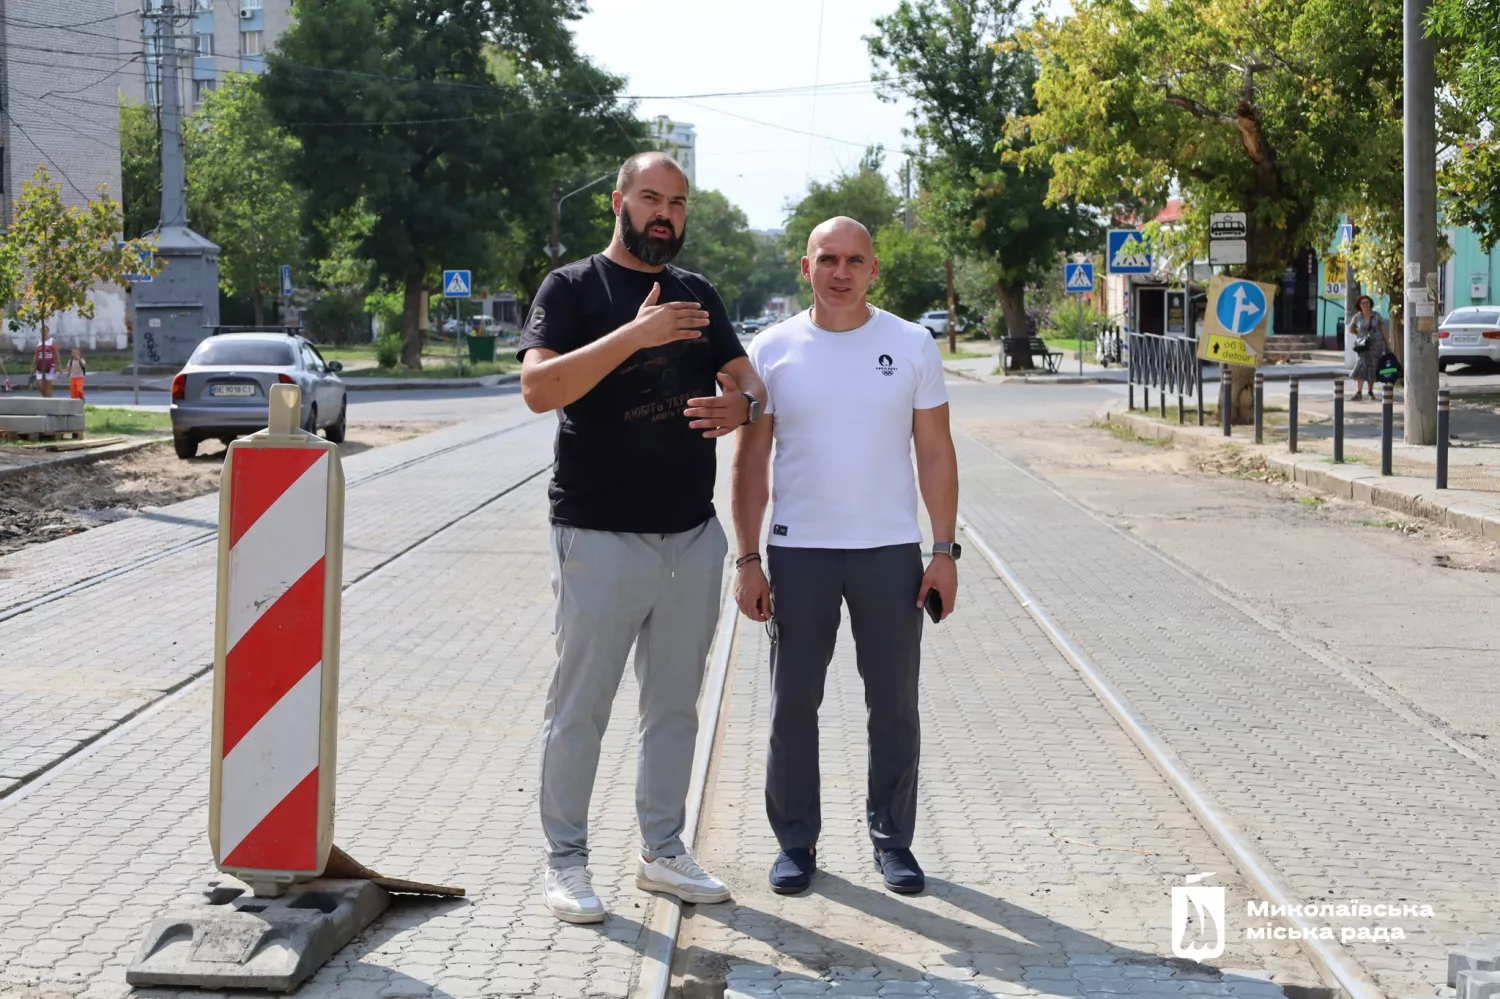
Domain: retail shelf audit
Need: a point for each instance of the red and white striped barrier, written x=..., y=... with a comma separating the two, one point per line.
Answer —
x=276, y=653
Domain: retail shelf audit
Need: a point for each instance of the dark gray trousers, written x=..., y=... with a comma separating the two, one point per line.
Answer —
x=808, y=587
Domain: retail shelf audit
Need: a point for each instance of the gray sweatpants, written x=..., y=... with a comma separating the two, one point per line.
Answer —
x=808, y=587
x=659, y=592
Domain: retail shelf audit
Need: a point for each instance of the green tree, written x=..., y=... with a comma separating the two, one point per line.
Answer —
x=718, y=245
x=1470, y=180
x=140, y=167
x=911, y=277
x=446, y=121
x=240, y=192
x=56, y=253
x=956, y=62
x=1279, y=108
x=864, y=195
x=772, y=275
x=1284, y=109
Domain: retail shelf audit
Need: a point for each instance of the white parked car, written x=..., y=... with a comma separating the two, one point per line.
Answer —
x=935, y=323
x=1470, y=335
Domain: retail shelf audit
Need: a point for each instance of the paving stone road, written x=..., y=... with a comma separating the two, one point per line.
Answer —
x=1348, y=797
x=1052, y=844
x=1048, y=840
x=74, y=667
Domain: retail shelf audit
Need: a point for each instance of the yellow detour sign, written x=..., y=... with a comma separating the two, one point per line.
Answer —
x=1227, y=350
x=1239, y=313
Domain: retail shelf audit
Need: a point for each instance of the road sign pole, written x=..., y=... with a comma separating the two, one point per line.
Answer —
x=458, y=339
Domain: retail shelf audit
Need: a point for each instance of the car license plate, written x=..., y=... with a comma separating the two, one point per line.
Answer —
x=1466, y=338
x=231, y=390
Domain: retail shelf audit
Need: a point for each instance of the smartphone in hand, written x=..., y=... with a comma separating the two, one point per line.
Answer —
x=934, y=605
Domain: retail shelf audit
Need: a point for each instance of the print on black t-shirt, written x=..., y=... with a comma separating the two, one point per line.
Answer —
x=626, y=458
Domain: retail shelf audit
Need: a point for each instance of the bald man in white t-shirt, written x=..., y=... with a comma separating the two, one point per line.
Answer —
x=851, y=389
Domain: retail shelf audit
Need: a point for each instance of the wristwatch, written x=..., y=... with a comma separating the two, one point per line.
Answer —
x=754, y=408
x=952, y=549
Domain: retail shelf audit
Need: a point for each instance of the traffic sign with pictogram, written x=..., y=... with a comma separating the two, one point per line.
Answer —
x=1238, y=317
x=1128, y=253
x=457, y=284
x=1078, y=277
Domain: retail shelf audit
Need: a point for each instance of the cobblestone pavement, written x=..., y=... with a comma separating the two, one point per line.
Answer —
x=76, y=666
x=1049, y=841
x=447, y=655
x=1348, y=796
x=69, y=561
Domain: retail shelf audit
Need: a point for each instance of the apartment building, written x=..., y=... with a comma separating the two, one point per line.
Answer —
x=213, y=38
x=60, y=67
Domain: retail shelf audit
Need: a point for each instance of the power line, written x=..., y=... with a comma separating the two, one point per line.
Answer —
x=771, y=124
x=817, y=71
x=41, y=149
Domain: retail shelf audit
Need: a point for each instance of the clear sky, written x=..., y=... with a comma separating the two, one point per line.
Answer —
x=683, y=47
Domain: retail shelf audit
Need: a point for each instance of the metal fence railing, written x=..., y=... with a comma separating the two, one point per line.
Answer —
x=1168, y=364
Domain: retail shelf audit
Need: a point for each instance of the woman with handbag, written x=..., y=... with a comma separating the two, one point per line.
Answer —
x=1368, y=329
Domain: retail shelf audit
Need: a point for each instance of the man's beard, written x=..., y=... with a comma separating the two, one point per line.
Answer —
x=654, y=251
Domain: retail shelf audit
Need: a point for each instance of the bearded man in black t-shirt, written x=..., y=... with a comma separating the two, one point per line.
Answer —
x=631, y=350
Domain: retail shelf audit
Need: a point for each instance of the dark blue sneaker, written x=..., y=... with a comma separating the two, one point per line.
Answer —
x=903, y=874
x=793, y=870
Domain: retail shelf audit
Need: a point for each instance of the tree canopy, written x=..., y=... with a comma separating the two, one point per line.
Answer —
x=956, y=62
x=446, y=123
x=864, y=194
x=239, y=188
x=1280, y=108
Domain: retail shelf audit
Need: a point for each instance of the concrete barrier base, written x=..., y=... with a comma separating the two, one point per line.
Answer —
x=232, y=939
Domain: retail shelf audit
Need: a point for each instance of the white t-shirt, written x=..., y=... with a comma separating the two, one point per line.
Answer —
x=843, y=402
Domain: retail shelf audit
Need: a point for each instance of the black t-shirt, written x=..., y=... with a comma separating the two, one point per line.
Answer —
x=627, y=460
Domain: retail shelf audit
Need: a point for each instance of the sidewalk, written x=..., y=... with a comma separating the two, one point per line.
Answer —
x=1471, y=503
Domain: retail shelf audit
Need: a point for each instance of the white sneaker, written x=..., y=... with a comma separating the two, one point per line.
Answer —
x=680, y=876
x=569, y=892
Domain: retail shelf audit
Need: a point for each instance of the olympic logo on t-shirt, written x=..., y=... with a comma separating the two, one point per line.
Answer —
x=886, y=365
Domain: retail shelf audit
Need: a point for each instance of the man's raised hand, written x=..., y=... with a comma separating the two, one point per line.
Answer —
x=655, y=324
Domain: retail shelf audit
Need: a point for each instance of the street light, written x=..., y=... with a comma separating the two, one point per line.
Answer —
x=557, y=210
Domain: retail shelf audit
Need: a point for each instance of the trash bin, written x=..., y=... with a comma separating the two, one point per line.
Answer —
x=481, y=348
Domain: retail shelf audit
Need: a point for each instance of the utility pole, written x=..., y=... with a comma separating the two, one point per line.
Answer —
x=906, y=197
x=1419, y=317
x=1351, y=289
x=556, y=218
x=174, y=310
x=952, y=312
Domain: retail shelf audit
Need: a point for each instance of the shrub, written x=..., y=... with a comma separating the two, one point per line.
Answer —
x=388, y=350
x=1067, y=317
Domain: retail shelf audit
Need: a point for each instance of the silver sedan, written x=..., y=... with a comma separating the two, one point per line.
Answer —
x=224, y=390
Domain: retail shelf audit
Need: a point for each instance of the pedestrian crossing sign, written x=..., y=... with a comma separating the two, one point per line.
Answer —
x=456, y=284
x=1128, y=253
x=1078, y=278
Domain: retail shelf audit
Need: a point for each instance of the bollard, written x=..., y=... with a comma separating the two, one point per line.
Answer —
x=276, y=653
x=1130, y=404
x=1387, y=424
x=1291, y=431
x=1260, y=407
x=1338, y=421
x=1226, y=405
x=1163, y=400
x=1146, y=398
x=273, y=750
x=1198, y=387
x=1442, y=439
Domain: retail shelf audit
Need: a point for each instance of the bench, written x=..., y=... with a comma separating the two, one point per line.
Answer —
x=1034, y=347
